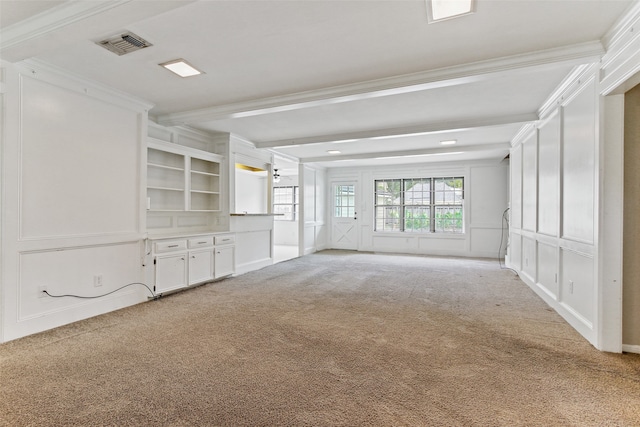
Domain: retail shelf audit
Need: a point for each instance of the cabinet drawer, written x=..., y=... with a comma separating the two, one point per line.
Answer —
x=170, y=246
x=226, y=239
x=200, y=242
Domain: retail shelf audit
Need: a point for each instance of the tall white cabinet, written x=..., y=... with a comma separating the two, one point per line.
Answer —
x=186, y=208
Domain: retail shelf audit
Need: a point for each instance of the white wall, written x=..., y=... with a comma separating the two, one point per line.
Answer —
x=486, y=184
x=566, y=193
x=313, y=197
x=72, y=198
x=254, y=234
x=554, y=176
x=251, y=192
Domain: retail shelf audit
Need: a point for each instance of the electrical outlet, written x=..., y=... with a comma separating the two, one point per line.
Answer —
x=41, y=291
x=97, y=280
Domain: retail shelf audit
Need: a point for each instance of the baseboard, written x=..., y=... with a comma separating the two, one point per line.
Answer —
x=253, y=265
x=628, y=348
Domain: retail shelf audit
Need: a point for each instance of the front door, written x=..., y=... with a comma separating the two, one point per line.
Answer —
x=344, y=229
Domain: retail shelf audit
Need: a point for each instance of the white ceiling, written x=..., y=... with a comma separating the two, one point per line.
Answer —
x=296, y=76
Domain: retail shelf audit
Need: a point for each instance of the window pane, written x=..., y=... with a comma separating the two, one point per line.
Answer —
x=344, y=201
x=388, y=218
x=417, y=219
x=285, y=202
x=448, y=219
x=417, y=191
x=448, y=191
x=388, y=192
x=387, y=198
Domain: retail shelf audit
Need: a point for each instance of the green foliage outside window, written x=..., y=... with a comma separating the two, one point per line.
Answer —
x=420, y=205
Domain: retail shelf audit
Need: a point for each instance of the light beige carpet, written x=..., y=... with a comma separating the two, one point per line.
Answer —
x=331, y=339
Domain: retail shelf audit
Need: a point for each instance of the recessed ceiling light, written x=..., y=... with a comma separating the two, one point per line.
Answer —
x=333, y=151
x=448, y=142
x=439, y=10
x=181, y=68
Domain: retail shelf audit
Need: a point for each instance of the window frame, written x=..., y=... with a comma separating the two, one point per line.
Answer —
x=294, y=204
x=436, y=224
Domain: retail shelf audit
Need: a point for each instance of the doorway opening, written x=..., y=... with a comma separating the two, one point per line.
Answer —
x=286, y=207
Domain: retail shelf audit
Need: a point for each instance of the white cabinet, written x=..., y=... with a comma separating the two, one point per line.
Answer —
x=171, y=272
x=182, y=262
x=225, y=255
x=200, y=266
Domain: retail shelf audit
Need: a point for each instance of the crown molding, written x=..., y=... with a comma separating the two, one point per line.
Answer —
x=526, y=131
x=565, y=87
x=42, y=70
x=623, y=27
x=478, y=71
x=53, y=19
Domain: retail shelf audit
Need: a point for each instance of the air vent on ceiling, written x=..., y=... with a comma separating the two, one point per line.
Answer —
x=124, y=43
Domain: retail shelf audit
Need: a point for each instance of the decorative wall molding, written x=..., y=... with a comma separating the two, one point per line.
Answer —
x=564, y=89
x=62, y=78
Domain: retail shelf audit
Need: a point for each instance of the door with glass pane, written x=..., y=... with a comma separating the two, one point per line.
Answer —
x=344, y=218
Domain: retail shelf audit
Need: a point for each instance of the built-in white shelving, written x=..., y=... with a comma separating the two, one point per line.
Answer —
x=182, y=179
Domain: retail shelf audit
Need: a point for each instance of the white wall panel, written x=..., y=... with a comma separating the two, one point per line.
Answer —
x=72, y=271
x=516, y=187
x=515, y=251
x=578, y=165
x=309, y=194
x=79, y=165
x=577, y=286
x=529, y=263
x=442, y=246
x=547, y=260
x=285, y=233
x=253, y=250
x=548, y=176
x=486, y=241
x=488, y=192
x=529, y=183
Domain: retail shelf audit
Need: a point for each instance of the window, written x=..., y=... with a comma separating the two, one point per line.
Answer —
x=285, y=201
x=345, y=201
x=421, y=205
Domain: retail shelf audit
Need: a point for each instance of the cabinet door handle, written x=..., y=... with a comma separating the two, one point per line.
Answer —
x=172, y=246
x=193, y=256
x=201, y=243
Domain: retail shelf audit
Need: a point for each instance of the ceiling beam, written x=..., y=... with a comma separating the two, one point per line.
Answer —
x=412, y=153
x=451, y=76
x=423, y=129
